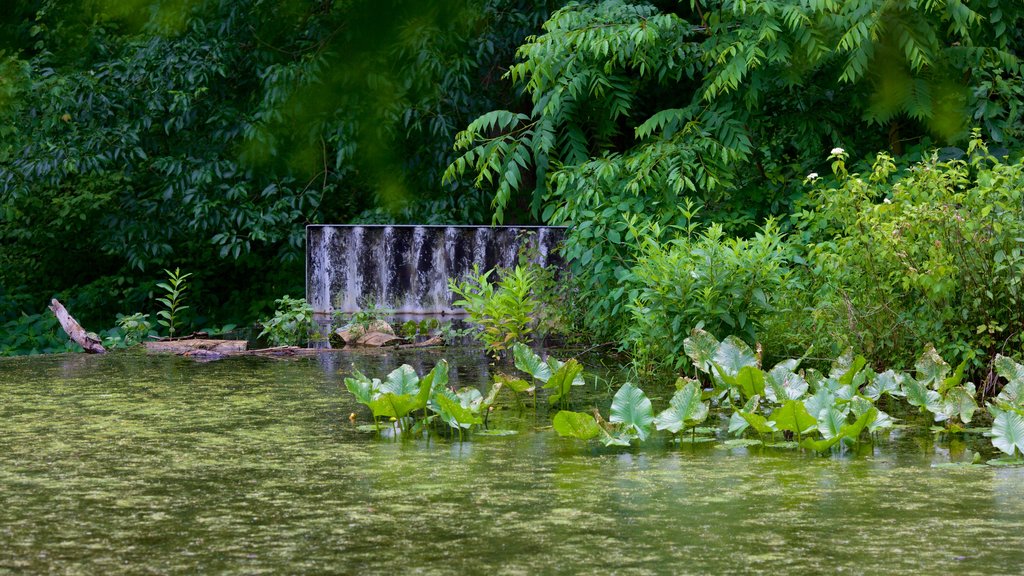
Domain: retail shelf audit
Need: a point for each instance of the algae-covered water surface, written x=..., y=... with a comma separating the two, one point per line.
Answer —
x=129, y=463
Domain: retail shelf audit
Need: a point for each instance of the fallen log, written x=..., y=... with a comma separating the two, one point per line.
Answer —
x=87, y=340
x=183, y=346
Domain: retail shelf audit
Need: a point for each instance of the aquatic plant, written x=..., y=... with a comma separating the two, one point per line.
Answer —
x=174, y=294
x=557, y=376
x=291, y=323
x=504, y=311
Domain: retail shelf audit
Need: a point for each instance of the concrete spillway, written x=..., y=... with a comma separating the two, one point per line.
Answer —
x=406, y=268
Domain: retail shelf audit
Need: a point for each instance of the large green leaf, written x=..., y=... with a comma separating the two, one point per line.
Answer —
x=732, y=355
x=931, y=368
x=830, y=422
x=749, y=380
x=851, y=371
x=555, y=365
x=852, y=431
x=959, y=403
x=782, y=383
x=701, y=346
x=684, y=411
x=887, y=382
x=530, y=363
x=561, y=381
x=401, y=380
x=919, y=395
x=363, y=388
x=819, y=401
x=632, y=409
x=517, y=385
x=1008, y=431
x=575, y=425
x=954, y=380
x=859, y=405
x=451, y=410
x=793, y=416
x=759, y=423
x=436, y=378
x=393, y=405
x=1013, y=390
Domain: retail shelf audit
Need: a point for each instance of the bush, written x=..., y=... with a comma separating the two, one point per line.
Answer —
x=724, y=284
x=291, y=323
x=935, y=257
x=505, y=312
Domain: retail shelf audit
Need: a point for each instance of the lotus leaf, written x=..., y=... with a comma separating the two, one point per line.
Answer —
x=517, y=385
x=759, y=423
x=732, y=355
x=918, y=394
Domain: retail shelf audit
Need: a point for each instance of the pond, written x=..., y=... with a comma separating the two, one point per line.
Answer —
x=128, y=463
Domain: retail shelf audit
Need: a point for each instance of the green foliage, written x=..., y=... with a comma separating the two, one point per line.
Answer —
x=640, y=115
x=934, y=256
x=632, y=409
x=210, y=133
x=505, y=312
x=291, y=324
x=685, y=409
x=172, y=300
x=575, y=425
x=726, y=283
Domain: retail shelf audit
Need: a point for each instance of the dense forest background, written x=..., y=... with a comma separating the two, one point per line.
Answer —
x=205, y=134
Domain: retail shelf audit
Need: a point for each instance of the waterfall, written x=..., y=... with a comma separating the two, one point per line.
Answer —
x=407, y=268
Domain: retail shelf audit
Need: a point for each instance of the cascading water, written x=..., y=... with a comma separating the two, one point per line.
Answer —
x=407, y=268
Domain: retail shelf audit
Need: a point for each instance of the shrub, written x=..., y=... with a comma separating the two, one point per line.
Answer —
x=291, y=323
x=724, y=284
x=935, y=257
x=505, y=312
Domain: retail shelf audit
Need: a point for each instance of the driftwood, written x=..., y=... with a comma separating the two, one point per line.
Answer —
x=87, y=340
x=183, y=346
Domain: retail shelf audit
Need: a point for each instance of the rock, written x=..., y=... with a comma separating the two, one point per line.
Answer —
x=378, y=339
x=381, y=327
x=347, y=335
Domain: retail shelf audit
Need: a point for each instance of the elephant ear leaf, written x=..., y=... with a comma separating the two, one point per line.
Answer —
x=632, y=409
x=576, y=425
x=1013, y=392
x=700, y=347
x=732, y=355
x=561, y=381
x=530, y=363
x=393, y=405
x=436, y=378
x=931, y=368
x=793, y=416
x=517, y=385
x=685, y=410
x=918, y=394
x=451, y=410
x=1008, y=431
x=401, y=380
x=362, y=387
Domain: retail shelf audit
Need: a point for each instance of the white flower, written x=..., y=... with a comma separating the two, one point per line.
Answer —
x=837, y=151
x=887, y=201
x=812, y=176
